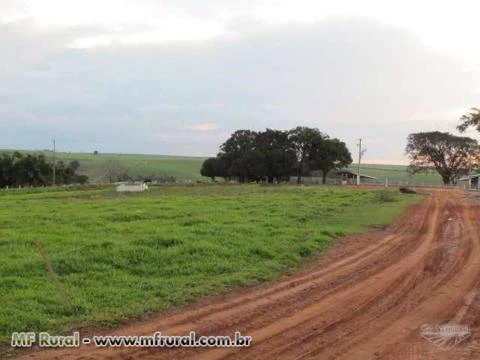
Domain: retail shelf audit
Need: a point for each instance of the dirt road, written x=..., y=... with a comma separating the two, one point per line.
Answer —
x=367, y=298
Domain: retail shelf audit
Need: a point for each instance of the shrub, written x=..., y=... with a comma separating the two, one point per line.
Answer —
x=386, y=196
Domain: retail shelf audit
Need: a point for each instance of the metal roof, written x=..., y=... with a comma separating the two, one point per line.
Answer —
x=466, y=178
x=355, y=174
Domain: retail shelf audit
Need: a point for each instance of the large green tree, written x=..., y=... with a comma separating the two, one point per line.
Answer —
x=450, y=155
x=329, y=154
x=251, y=166
x=212, y=167
x=303, y=139
x=276, y=155
x=237, y=145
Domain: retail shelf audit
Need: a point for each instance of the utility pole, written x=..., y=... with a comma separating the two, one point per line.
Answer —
x=360, y=155
x=54, y=160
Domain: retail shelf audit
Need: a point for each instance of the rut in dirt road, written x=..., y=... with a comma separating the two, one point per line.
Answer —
x=366, y=299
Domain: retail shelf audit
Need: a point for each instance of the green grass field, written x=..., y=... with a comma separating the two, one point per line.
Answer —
x=114, y=256
x=398, y=174
x=187, y=169
x=181, y=168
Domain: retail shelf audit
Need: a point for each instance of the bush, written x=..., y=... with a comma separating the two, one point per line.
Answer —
x=386, y=196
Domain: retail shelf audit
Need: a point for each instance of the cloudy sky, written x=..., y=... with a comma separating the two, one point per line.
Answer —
x=177, y=77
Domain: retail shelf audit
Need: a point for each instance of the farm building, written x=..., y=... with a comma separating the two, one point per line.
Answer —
x=336, y=177
x=351, y=176
x=472, y=180
x=135, y=187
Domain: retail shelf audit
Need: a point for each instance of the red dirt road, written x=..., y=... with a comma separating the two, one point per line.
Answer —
x=365, y=299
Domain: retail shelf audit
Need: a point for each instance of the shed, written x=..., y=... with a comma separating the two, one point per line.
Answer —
x=136, y=187
x=347, y=174
x=473, y=181
x=342, y=176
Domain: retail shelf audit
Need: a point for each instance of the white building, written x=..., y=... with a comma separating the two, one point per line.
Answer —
x=137, y=187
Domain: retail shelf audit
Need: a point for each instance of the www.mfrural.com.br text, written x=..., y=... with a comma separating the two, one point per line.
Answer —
x=157, y=339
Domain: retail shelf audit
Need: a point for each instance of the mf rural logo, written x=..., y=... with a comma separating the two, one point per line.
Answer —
x=445, y=336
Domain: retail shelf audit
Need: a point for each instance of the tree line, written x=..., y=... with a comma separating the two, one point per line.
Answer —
x=276, y=155
x=17, y=169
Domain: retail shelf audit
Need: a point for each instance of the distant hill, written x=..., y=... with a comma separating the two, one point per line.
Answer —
x=185, y=168
x=96, y=167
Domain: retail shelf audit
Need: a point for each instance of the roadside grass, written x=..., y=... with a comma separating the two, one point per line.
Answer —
x=119, y=257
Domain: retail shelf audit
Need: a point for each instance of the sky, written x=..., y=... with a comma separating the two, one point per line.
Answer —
x=178, y=77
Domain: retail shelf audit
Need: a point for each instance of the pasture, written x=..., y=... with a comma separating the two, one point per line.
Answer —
x=181, y=168
x=79, y=258
x=398, y=174
x=187, y=169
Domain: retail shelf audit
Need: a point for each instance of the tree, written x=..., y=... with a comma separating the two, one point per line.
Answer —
x=250, y=166
x=328, y=154
x=236, y=146
x=114, y=171
x=278, y=154
x=74, y=165
x=34, y=170
x=25, y=170
x=470, y=119
x=208, y=168
x=451, y=156
x=67, y=173
x=6, y=168
x=302, y=139
x=213, y=167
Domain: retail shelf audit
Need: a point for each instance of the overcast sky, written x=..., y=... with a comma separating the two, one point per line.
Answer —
x=178, y=77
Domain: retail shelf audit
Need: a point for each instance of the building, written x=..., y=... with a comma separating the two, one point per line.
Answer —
x=473, y=181
x=136, y=187
x=338, y=177
x=351, y=177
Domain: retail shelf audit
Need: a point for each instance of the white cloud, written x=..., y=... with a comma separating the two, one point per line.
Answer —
x=445, y=25
x=160, y=108
x=12, y=11
x=202, y=127
x=108, y=13
x=166, y=30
